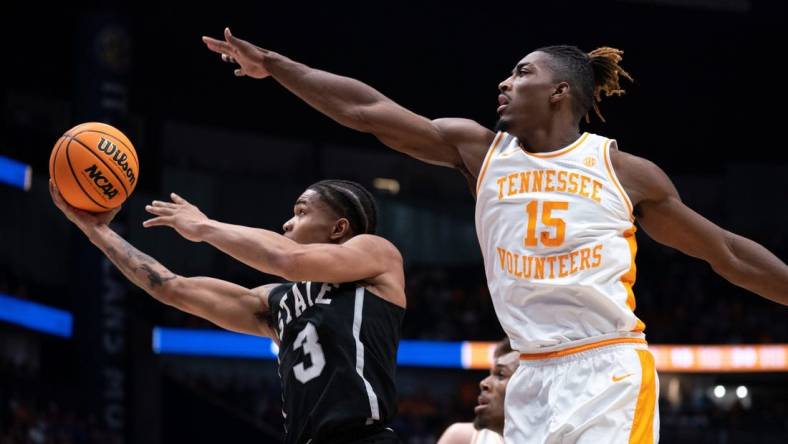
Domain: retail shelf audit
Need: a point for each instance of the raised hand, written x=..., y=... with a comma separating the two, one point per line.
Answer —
x=247, y=56
x=179, y=215
x=86, y=221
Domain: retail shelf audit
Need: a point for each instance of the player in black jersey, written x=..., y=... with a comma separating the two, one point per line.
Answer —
x=337, y=322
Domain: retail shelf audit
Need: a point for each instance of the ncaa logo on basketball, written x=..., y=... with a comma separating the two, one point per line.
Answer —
x=101, y=181
x=119, y=157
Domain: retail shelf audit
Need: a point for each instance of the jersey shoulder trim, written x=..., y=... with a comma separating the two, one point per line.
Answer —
x=490, y=153
x=613, y=178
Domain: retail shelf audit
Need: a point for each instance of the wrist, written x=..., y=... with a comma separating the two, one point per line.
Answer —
x=205, y=229
x=96, y=233
x=273, y=62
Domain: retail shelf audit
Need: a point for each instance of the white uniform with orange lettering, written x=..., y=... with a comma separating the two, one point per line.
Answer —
x=558, y=238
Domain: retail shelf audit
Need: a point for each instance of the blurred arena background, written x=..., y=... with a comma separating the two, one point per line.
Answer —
x=79, y=360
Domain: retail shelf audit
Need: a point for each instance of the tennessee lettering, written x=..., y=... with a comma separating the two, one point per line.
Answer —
x=549, y=267
x=561, y=181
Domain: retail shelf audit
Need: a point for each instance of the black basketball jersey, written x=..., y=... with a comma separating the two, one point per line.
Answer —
x=337, y=359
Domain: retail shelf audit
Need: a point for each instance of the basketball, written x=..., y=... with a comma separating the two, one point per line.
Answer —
x=94, y=166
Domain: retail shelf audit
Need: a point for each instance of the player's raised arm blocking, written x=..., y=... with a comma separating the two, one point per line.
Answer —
x=452, y=142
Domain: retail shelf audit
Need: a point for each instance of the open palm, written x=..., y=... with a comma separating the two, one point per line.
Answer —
x=179, y=215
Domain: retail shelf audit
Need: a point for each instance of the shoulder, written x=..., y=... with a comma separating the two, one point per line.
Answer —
x=264, y=291
x=470, y=138
x=458, y=433
x=459, y=129
x=372, y=243
x=642, y=179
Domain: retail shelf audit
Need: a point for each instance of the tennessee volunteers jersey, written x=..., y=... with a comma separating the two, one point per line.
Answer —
x=557, y=234
x=486, y=436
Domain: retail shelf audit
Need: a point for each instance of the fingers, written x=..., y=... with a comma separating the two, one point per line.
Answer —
x=239, y=72
x=228, y=59
x=158, y=203
x=229, y=37
x=219, y=46
x=160, y=210
x=178, y=199
x=157, y=222
x=55, y=193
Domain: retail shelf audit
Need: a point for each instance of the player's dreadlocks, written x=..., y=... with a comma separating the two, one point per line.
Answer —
x=591, y=74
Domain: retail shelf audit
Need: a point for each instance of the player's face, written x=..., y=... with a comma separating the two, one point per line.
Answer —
x=312, y=220
x=489, y=411
x=524, y=98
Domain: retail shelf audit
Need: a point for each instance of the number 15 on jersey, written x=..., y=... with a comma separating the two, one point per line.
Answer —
x=555, y=228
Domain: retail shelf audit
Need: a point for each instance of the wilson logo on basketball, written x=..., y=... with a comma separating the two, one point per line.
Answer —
x=98, y=178
x=118, y=156
x=589, y=161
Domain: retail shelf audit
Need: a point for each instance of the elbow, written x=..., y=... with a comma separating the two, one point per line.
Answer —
x=170, y=291
x=283, y=264
x=364, y=117
x=355, y=117
x=727, y=263
x=288, y=266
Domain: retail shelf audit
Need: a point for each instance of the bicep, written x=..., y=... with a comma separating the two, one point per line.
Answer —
x=223, y=303
x=670, y=222
x=667, y=220
x=442, y=142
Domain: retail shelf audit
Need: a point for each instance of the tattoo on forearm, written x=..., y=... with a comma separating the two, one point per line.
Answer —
x=140, y=268
x=154, y=277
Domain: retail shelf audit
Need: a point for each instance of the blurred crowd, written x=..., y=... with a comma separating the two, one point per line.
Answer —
x=33, y=411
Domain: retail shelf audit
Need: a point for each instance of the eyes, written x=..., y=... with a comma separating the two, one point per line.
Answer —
x=501, y=375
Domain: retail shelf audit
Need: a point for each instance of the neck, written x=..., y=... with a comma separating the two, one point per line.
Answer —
x=551, y=137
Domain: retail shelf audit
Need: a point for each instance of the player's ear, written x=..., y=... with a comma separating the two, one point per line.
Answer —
x=560, y=93
x=340, y=229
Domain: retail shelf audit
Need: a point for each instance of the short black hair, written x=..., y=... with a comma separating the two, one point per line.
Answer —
x=590, y=74
x=502, y=347
x=349, y=200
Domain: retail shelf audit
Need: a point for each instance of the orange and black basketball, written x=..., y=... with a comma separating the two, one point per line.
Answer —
x=94, y=166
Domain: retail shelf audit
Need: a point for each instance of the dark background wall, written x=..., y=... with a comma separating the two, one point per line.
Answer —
x=707, y=106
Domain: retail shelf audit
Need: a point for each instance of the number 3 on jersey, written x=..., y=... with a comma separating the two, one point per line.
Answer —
x=532, y=209
x=308, y=339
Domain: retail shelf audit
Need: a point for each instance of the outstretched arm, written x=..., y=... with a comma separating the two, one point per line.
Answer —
x=452, y=142
x=667, y=220
x=362, y=258
x=227, y=305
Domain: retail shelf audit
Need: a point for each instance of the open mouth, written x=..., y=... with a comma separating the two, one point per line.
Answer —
x=503, y=101
x=483, y=403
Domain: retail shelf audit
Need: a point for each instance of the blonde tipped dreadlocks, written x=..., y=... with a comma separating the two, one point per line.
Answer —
x=590, y=74
x=605, y=64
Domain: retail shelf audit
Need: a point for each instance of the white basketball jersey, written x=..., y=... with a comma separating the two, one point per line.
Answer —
x=486, y=436
x=558, y=239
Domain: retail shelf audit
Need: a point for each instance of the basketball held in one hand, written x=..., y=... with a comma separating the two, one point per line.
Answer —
x=94, y=166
